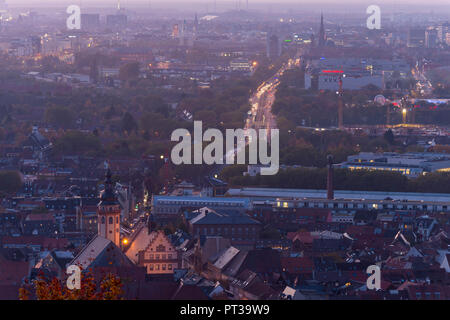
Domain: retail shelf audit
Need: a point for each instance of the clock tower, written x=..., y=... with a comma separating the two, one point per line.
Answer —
x=108, y=211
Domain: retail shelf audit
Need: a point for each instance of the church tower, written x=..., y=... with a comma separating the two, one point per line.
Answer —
x=322, y=37
x=195, y=25
x=108, y=212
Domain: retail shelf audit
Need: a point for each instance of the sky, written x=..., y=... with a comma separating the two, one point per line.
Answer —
x=413, y=6
x=299, y=2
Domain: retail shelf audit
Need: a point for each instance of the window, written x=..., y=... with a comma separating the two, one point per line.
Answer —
x=103, y=220
x=111, y=221
x=169, y=267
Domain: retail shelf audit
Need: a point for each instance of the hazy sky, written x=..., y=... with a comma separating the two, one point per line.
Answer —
x=299, y=2
x=416, y=6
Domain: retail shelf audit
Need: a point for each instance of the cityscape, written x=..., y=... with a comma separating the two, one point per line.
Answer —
x=224, y=150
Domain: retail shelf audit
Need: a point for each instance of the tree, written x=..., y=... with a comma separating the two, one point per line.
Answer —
x=109, y=288
x=10, y=182
x=389, y=136
x=50, y=63
x=76, y=142
x=129, y=72
x=60, y=117
x=128, y=123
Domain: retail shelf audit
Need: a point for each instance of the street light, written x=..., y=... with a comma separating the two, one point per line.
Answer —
x=404, y=112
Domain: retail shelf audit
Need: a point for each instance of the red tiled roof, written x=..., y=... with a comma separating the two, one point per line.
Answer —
x=360, y=230
x=46, y=243
x=304, y=237
x=297, y=264
x=40, y=217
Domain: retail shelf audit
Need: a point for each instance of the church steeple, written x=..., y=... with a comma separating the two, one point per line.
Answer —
x=108, y=212
x=108, y=196
x=322, y=37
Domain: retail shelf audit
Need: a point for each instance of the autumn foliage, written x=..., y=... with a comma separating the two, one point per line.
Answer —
x=109, y=288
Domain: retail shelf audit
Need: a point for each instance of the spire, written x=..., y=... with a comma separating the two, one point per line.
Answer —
x=108, y=196
x=321, y=41
x=195, y=23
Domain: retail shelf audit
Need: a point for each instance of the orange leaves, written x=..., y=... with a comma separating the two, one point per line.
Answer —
x=109, y=288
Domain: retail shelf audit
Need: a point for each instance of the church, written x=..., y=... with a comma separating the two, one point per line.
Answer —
x=103, y=253
x=145, y=253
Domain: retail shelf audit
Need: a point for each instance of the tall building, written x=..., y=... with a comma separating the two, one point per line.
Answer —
x=36, y=45
x=416, y=38
x=116, y=20
x=90, y=20
x=175, y=31
x=431, y=38
x=322, y=37
x=273, y=46
x=108, y=212
x=186, y=36
x=442, y=31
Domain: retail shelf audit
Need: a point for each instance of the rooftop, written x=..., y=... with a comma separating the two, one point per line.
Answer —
x=274, y=193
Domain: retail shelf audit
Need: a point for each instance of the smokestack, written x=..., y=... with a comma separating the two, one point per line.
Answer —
x=330, y=188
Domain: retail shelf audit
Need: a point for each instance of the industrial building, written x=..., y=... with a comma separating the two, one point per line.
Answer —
x=409, y=164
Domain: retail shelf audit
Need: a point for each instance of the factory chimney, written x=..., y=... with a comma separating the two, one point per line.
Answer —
x=330, y=187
